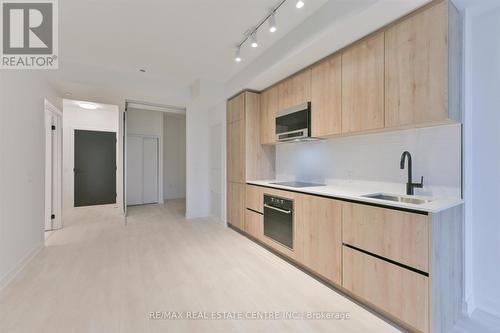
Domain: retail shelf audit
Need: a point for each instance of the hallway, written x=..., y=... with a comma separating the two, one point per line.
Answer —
x=100, y=275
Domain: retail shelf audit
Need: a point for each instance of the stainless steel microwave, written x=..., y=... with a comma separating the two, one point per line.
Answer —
x=294, y=124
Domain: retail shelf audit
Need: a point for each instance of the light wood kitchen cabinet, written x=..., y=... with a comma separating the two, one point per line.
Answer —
x=236, y=108
x=246, y=157
x=421, y=74
x=254, y=224
x=319, y=236
x=236, y=151
x=236, y=205
x=363, y=85
x=397, y=291
x=396, y=235
x=326, y=97
x=294, y=90
x=268, y=110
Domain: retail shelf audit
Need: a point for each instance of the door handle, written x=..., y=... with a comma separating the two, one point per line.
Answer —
x=278, y=209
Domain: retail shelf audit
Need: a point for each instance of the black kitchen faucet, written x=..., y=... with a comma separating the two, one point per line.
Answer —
x=410, y=186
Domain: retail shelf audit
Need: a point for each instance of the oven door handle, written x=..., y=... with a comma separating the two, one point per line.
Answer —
x=278, y=209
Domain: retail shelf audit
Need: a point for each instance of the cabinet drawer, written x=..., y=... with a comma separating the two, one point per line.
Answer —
x=393, y=234
x=255, y=198
x=254, y=224
x=395, y=290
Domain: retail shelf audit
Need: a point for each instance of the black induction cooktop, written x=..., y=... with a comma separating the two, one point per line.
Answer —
x=297, y=184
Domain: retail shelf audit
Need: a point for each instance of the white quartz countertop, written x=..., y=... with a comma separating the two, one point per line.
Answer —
x=356, y=193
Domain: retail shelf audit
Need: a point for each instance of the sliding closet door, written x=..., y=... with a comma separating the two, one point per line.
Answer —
x=150, y=173
x=134, y=170
x=142, y=170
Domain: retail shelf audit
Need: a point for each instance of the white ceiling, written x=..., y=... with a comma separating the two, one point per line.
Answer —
x=104, y=43
x=176, y=41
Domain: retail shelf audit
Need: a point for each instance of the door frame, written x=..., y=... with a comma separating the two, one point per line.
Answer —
x=71, y=165
x=158, y=164
x=53, y=166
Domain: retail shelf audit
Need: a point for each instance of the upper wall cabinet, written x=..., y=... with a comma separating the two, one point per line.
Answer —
x=326, y=97
x=236, y=150
x=295, y=90
x=236, y=108
x=417, y=73
x=268, y=109
x=363, y=85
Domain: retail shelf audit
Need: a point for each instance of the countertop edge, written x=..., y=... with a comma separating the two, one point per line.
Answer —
x=442, y=204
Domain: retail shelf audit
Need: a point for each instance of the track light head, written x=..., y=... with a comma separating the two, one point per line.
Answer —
x=272, y=23
x=299, y=4
x=237, y=56
x=253, y=39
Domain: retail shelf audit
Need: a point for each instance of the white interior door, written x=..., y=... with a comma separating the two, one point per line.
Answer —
x=142, y=170
x=48, y=170
x=53, y=168
x=150, y=170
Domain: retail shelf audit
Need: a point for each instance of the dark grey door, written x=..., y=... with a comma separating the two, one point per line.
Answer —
x=95, y=168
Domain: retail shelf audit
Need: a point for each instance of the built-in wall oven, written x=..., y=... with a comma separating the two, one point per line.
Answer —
x=278, y=220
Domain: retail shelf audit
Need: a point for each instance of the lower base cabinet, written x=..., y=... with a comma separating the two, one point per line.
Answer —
x=319, y=235
x=406, y=265
x=254, y=224
x=236, y=205
x=397, y=291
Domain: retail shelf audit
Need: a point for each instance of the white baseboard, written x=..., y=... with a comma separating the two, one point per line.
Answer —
x=469, y=305
x=11, y=274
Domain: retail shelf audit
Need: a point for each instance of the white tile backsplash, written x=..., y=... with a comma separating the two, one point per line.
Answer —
x=436, y=154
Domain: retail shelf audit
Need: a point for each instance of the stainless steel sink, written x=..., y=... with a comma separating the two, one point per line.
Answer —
x=397, y=198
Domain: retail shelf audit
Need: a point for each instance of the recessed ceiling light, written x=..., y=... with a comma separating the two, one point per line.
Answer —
x=67, y=94
x=88, y=106
x=299, y=4
x=142, y=70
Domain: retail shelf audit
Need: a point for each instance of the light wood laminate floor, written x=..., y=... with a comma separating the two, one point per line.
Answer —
x=100, y=275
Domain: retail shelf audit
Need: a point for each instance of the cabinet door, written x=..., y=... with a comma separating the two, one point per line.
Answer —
x=363, y=85
x=326, y=97
x=254, y=224
x=295, y=90
x=236, y=151
x=400, y=292
x=416, y=73
x=236, y=108
x=236, y=205
x=318, y=227
x=268, y=109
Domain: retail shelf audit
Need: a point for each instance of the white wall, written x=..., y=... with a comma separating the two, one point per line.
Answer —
x=217, y=148
x=197, y=162
x=174, y=156
x=22, y=167
x=144, y=122
x=105, y=118
x=482, y=154
x=436, y=155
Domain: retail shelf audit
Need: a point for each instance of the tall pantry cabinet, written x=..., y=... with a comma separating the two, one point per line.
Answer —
x=247, y=159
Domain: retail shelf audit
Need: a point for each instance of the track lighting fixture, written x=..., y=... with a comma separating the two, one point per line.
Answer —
x=272, y=23
x=251, y=35
x=253, y=39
